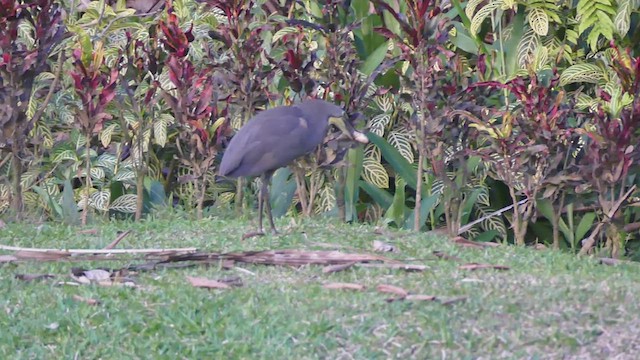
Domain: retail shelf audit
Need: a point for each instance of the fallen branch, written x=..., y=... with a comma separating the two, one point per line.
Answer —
x=115, y=242
x=468, y=227
x=68, y=252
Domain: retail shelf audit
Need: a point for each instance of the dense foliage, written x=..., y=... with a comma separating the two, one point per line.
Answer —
x=497, y=120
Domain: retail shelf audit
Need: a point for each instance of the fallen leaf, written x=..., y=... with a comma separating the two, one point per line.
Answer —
x=441, y=255
x=88, y=232
x=207, y=283
x=88, y=301
x=2, y=224
x=31, y=277
x=97, y=275
x=53, y=326
x=392, y=290
x=420, y=297
x=7, y=258
x=336, y=268
x=380, y=246
x=539, y=246
x=232, y=281
x=459, y=240
x=452, y=300
x=476, y=266
x=405, y=267
x=612, y=261
x=343, y=286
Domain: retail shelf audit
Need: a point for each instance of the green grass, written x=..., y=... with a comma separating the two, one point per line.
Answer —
x=549, y=305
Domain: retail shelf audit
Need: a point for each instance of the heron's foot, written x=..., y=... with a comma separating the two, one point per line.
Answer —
x=251, y=234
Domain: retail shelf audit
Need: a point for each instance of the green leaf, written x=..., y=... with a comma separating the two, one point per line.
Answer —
x=397, y=211
x=585, y=225
x=427, y=204
x=69, y=207
x=354, y=170
x=125, y=203
x=374, y=173
x=379, y=196
x=582, y=73
x=539, y=21
x=395, y=159
x=481, y=15
x=375, y=59
x=283, y=188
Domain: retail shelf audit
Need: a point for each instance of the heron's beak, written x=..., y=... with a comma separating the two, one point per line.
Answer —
x=348, y=129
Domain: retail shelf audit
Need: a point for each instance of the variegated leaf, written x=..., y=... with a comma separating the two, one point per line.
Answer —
x=65, y=155
x=125, y=203
x=539, y=21
x=100, y=200
x=326, y=199
x=401, y=140
x=107, y=133
x=492, y=223
x=374, y=173
x=582, y=73
x=482, y=14
x=378, y=123
x=160, y=131
x=527, y=48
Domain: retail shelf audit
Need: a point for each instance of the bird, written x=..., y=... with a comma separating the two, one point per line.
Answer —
x=275, y=137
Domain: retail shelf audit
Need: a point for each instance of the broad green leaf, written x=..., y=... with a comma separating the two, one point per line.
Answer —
x=379, y=196
x=375, y=173
x=375, y=59
x=584, y=225
x=482, y=14
x=395, y=159
x=125, y=203
x=539, y=21
x=582, y=73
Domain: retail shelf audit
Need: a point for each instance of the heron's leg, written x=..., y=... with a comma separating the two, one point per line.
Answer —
x=260, y=206
x=266, y=178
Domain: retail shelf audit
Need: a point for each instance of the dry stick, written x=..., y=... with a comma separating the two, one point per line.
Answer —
x=98, y=251
x=588, y=243
x=467, y=227
x=117, y=240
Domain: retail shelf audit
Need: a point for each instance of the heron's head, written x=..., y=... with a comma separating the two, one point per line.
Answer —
x=321, y=110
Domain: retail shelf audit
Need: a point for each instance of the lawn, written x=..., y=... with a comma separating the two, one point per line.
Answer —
x=547, y=305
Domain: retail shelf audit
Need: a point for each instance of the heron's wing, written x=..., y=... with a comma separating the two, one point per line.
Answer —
x=272, y=139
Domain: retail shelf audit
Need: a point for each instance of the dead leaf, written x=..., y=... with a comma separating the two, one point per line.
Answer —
x=97, y=275
x=392, y=290
x=539, y=246
x=420, y=297
x=7, y=258
x=336, y=268
x=441, y=255
x=405, y=267
x=232, y=281
x=88, y=232
x=343, y=286
x=88, y=301
x=31, y=277
x=476, y=266
x=207, y=283
x=459, y=240
x=380, y=246
x=452, y=300
x=53, y=326
x=612, y=261
x=2, y=224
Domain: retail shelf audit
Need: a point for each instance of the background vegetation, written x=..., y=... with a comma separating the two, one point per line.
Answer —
x=530, y=107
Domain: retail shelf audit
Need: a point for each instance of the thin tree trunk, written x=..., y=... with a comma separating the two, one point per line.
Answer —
x=87, y=184
x=140, y=191
x=418, y=207
x=16, y=167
